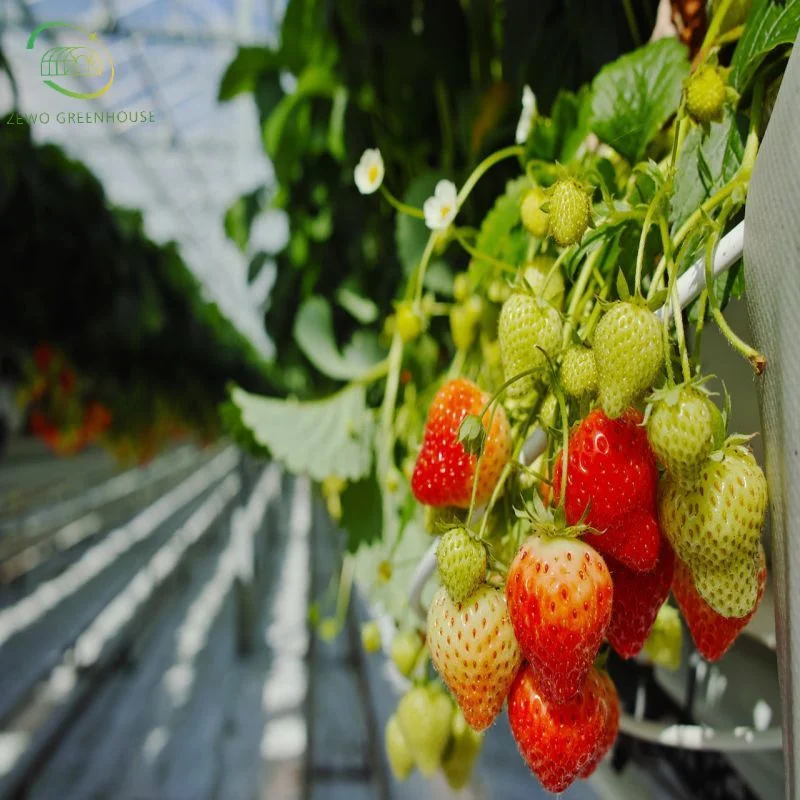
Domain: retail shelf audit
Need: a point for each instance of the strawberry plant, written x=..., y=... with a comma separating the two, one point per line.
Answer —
x=543, y=410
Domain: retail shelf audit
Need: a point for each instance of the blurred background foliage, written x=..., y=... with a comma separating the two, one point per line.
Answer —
x=435, y=86
x=97, y=313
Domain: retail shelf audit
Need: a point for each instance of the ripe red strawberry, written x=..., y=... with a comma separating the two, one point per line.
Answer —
x=556, y=740
x=613, y=474
x=559, y=595
x=611, y=728
x=713, y=634
x=444, y=471
x=637, y=599
x=473, y=648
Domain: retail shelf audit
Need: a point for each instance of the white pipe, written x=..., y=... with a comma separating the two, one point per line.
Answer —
x=424, y=570
x=693, y=281
x=690, y=284
x=701, y=737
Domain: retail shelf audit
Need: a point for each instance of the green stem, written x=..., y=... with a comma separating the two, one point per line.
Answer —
x=475, y=253
x=486, y=164
x=400, y=206
x=632, y=24
x=380, y=370
x=419, y=276
x=702, y=305
x=578, y=292
x=715, y=25
x=672, y=271
x=385, y=441
x=757, y=360
x=440, y=90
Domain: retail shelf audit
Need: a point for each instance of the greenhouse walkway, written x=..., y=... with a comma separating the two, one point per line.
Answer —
x=155, y=644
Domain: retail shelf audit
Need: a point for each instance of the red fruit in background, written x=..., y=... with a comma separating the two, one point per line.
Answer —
x=637, y=598
x=558, y=741
x=444, y=471
x=96, y=419
x=559, y=596
x=67, y=380
x=42, y=357
x=611, y=728
x=613, y=474
x=712, y=633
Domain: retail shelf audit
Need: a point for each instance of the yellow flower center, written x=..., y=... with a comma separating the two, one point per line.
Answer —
x=372, y=173
x=445, y=210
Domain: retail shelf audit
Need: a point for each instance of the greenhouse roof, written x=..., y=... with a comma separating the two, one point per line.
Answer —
x=170, y=149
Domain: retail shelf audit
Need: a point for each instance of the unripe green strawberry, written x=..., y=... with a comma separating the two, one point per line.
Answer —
x=498, y=291
x=570, y=209
x=578, y=372
x=715, y=525
x=534, y=219
x=424, y=714
x=400, y=759
x=371, y=637
x=544, y=282
x=405, y=650
x=463, y=327
x=629, y=353
x=681, y=431
x=462, y=563
x=548, y=412
x=407, y=322
x=664, y=644
x=705, y=95
x=526, y=324
x=465, y=744
x=461, y=287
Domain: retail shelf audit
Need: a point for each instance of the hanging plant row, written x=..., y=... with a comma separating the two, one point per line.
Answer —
x=571, y=455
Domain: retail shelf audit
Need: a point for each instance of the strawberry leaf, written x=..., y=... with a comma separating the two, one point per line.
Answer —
x=636, y=94
x=770, y=25
x=313, y=332
x=362, y=512
x=705, y=164
x=336, y=433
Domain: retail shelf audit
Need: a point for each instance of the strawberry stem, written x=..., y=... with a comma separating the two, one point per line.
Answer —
x=672, y=272
x=475, y=253
x=403, y=208
x=579, y=290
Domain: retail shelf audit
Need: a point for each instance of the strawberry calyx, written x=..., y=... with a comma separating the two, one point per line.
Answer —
x=552, y=523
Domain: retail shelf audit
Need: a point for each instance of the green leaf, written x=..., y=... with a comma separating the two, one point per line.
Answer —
x=636, y=94
x=318, y=438
x=315, y=81
x=313, y=332
x=359, y=307
x=362, y=512
x=243, y=73
x=705, y=164
x=411, y=234
x=770, y=25
x=239, y=432
x=558, y=137
x=501, y=235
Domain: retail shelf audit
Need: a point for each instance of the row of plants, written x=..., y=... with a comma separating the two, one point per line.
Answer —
x=106, y=334
x=540, y=406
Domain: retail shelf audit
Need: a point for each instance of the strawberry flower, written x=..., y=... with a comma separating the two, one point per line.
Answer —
x=369, y=171
x=440, y=209
x=527, y=116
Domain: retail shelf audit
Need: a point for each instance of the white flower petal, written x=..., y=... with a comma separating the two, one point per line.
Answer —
x=369, y=171
x=527, y=116
x=441, y=209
